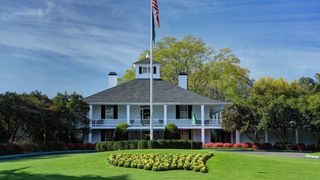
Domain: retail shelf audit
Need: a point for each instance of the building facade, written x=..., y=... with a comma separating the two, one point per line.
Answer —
x=129, y=102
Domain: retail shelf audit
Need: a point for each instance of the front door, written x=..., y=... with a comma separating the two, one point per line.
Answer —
x=185, y=134
x=145, y=116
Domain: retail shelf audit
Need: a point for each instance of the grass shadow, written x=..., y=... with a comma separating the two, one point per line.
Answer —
x=19, y=174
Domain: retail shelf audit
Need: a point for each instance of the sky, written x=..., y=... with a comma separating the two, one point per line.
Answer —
x=71, y=45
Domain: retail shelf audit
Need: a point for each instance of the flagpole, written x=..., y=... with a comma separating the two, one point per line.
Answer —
x=151, y=74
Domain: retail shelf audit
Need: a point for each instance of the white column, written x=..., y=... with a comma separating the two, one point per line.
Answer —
x=202, y=125
x=90, y=124
x=237, y=136
x=232, y=138
x=165, y=112
x=297, y=136
x=266, y=137
x=128, y=114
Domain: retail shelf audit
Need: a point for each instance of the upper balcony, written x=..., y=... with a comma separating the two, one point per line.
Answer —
x=157, y=123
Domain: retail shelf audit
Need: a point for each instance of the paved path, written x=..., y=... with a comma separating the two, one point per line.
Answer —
x=283, y=154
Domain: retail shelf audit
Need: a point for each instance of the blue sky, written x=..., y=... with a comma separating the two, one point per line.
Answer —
x=58, y=45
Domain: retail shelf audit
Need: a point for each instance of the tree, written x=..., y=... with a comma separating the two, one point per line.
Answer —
x=121, y=132
x=242, y=116
x=307, y=84
x=171, y=131
x=71, y=111
x=310, y=108
x=281, y=116
x=216, y=74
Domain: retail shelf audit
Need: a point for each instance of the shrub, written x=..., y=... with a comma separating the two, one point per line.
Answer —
x=6, y=149
x=121, y=132
x=98, y=146
x=133, y=144
x=171, y=131
x=152, y=144
x=227, y=145
x=142, y=144
x=161, y=162
x=118, y=145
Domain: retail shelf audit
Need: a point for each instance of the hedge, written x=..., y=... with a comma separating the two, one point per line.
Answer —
x=150, y=144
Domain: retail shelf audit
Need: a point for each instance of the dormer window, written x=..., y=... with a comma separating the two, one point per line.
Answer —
x=146, y=70
x=142, y=69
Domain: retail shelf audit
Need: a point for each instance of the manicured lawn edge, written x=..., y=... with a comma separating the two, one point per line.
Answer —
x=18, y=156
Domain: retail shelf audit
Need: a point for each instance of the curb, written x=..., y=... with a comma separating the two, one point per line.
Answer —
x=312, y=156
x=18, y=156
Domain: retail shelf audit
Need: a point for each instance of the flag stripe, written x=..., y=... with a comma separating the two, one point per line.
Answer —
x=156, y=12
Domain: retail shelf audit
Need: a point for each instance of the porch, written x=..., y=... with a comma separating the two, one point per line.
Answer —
x=104, y=116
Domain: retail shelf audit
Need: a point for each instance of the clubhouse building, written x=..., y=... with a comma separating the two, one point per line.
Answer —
x=129, y=102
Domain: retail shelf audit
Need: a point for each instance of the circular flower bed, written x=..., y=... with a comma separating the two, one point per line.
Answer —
x=161, y=162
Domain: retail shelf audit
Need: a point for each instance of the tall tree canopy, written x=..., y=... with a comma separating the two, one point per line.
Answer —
x=214, y=73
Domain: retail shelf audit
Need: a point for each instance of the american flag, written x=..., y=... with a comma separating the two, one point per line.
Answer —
x=156, y=12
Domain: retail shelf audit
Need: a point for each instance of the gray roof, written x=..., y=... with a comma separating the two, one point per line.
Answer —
x=137, y=91
x=146, y=61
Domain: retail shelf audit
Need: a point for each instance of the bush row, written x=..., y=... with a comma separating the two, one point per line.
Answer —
x=150, y=144
x=6, y=149
x=220, y=145
x=265, y=146
x=160, y=162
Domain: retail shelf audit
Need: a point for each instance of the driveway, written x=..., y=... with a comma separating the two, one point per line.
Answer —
x=267, y=153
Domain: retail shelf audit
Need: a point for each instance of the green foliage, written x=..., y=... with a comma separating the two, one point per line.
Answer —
x=121, y=132
x=212, y=73
x=142, y=144
x=150, y=144
x=118, y=145
x=160, y=162
x=36, y=118
x=171, y=131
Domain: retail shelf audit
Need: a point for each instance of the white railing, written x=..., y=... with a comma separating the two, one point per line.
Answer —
x=188, y=122
x=145, y=122
x=107, y=122
x=156, y=122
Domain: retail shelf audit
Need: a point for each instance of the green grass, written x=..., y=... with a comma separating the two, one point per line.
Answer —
x=224, y=165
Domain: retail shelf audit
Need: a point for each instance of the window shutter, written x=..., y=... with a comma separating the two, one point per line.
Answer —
x=177, y=111
x=190, y=112
x=103, y=134
x=115, y=112
x=154, y=70
x=103, y=111
x=140, y=70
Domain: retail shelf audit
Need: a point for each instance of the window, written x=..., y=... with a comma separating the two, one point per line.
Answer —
x=109, y=112
x=145, y=70
x=183, y=111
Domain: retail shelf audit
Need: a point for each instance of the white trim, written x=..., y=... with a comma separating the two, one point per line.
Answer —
x=202, y=125
x=165, y=114
x=266, y=137
x=128, y=113
x=161, y=103
x=90, y=136
x=237, y=136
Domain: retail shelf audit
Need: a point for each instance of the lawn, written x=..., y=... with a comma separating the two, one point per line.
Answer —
x=224, y=165
x=316, y=154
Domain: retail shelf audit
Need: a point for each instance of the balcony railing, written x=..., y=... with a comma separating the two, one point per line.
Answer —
x=188, y=122
x=156, y=122
x=107, y=122
x=145, y=122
